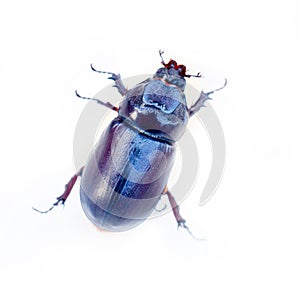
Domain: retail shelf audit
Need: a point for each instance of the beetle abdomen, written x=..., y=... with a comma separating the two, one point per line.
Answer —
x=124, y=177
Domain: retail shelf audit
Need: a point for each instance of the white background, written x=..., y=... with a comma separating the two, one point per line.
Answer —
x=251, y=225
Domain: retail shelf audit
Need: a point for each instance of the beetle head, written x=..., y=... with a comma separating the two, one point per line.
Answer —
x=174, y=74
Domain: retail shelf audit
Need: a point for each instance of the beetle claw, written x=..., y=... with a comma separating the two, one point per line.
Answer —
x=114, y=77
x=183, y=225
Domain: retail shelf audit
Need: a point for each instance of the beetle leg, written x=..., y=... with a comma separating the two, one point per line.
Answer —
x=68, y=188
x=175, y=209
x=115, y=77
x=106, y=104
x=202, y=99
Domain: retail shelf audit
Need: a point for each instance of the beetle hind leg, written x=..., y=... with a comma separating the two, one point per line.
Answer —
x=62, y=198
x=175, y=208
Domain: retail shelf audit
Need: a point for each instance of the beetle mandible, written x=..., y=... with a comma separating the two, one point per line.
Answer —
x=129, y=168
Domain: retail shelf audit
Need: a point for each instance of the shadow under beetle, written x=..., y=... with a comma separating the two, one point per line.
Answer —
x=128, y=170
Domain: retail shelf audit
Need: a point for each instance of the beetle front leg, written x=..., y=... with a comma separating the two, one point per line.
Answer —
x=117, y=78
x=68, y=188
x=202, y=99
x=106, y=104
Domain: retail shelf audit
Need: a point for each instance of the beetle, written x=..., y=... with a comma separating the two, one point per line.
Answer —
x=128, y=170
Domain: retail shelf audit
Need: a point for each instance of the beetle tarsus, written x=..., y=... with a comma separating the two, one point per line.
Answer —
x=68, y=188
x=183, y=225
x=59, y=201
x=202, y=99
x=106, y=104
x=115, y=77
x=225, y=83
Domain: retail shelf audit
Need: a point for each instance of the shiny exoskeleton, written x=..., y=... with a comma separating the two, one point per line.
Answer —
x=129, y=168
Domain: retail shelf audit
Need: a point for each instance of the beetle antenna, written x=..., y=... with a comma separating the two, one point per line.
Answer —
x=106, y=104
x=208, y=93
x=162, y=59
x=199, y=75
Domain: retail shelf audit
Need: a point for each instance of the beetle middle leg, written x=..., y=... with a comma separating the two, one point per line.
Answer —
x=68, y=188
x=115, y=77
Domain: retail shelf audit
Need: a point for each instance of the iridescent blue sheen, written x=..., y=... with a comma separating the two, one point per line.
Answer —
x=124, y=177
x=129, y=168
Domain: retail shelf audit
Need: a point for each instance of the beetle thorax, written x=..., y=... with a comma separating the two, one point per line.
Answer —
x=156, y=107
